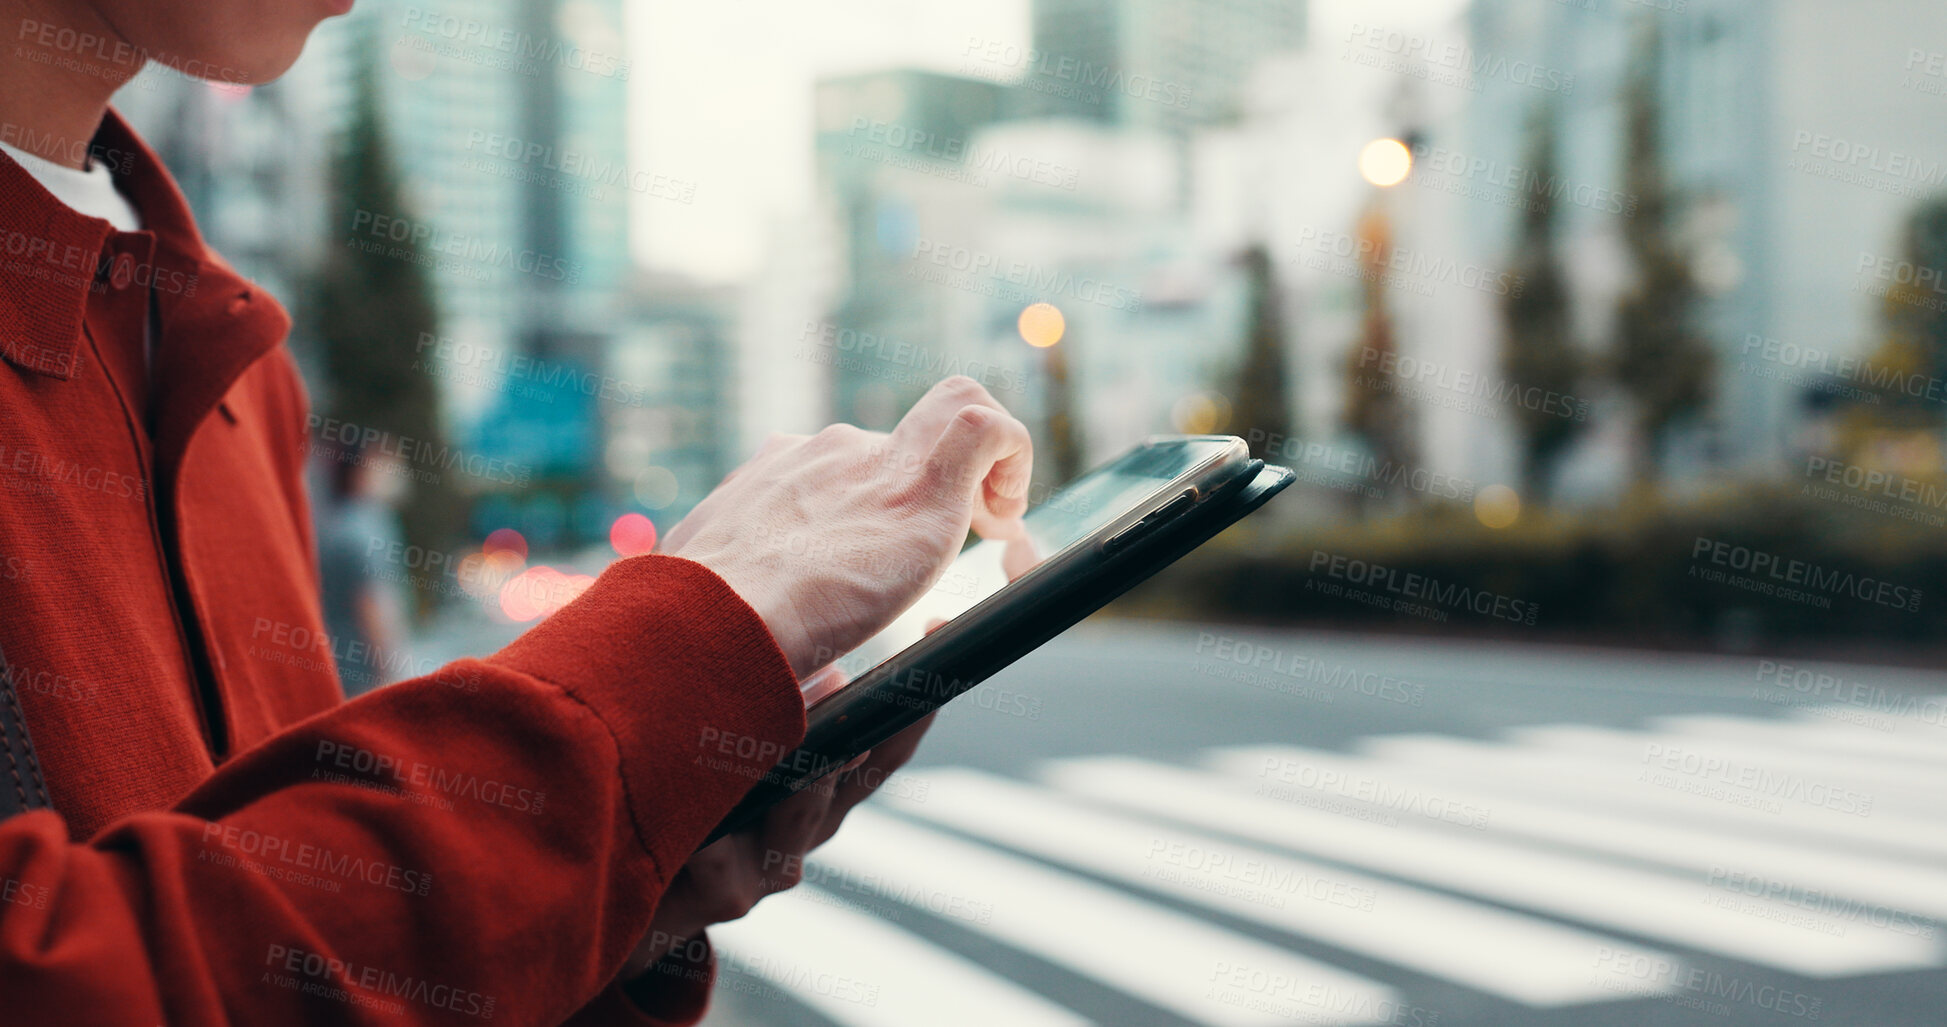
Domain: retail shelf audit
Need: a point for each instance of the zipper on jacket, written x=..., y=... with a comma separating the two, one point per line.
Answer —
x=202, y=685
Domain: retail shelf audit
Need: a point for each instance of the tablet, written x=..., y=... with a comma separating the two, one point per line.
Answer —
x=1086, y=544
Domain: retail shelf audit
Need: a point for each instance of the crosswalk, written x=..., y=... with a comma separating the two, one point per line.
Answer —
x=1714, y=863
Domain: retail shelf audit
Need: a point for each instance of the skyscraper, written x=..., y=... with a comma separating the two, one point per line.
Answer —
x=1169, y=64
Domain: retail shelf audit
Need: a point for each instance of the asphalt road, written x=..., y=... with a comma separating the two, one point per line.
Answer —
x=1152, y=824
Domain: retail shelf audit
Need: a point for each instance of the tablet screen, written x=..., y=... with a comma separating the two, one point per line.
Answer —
x=1067, y=518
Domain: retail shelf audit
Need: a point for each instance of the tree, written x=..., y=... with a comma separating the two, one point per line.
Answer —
x=369, y=304
x=1064, y=434
x=1915, y=320
x=1374, y=409
x=1263, y=401
x=1537, y=352
x=1660, y=360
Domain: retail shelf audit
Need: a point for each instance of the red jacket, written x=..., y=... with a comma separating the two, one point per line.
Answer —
x=237, y=845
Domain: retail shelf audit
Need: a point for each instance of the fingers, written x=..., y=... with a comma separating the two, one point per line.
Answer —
x=788, y=831
x=921, y=428
x=1019, y=556
x=857, y=784
x=986, y=456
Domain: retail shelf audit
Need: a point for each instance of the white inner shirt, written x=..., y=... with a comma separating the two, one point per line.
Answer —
x=91, y=192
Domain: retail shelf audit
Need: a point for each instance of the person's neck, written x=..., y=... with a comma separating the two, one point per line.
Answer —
x=62, y=64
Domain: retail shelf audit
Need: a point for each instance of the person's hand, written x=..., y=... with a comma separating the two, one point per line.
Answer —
x=831, y=536
x=723, y=880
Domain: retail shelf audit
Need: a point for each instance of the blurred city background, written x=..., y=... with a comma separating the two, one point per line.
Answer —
x=1608, y=338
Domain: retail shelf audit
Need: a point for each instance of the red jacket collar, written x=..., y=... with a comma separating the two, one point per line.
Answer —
x=54, y=254
x=215, y=324
x=50, y=254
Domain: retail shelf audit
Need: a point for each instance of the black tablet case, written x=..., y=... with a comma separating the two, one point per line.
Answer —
x=833, y=737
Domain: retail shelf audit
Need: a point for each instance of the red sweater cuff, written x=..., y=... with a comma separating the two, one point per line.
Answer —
x=686, y=677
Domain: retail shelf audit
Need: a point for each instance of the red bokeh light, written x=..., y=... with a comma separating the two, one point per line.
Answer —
x=632, y=534
x=505, y=540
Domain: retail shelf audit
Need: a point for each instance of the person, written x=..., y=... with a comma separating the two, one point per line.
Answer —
x=364, y=603
x=222, y=838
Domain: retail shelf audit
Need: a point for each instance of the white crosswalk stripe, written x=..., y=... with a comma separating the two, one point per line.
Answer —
x=1163, y=957
x=857, y=969
x=1739, y=865
x=1619, y=897
x=1542, y=869
x=1520, y=958
x=1677, y=789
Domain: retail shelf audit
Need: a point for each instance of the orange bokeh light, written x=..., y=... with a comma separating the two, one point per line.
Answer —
x=1041, y=325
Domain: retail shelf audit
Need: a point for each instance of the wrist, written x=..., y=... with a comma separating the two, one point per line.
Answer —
x=780, y=616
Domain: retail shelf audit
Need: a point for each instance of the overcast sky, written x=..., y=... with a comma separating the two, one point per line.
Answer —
x=722, y=97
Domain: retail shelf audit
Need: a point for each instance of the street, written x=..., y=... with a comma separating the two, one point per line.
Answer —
x=1160, y=824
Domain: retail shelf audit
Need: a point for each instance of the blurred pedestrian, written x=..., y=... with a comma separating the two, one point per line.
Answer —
x=363, y=567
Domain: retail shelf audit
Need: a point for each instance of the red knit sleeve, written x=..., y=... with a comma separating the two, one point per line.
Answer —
x=482, y=845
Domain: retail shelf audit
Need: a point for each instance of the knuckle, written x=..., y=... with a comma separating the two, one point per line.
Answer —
x=962, y=387
x=733, y=903
x=977, y=417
